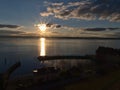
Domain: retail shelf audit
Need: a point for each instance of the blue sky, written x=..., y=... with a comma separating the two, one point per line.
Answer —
x=74, y=16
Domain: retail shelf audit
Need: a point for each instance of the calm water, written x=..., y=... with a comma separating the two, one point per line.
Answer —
x=27, y=50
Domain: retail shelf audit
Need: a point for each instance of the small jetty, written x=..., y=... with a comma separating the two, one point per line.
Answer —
x=63, y=57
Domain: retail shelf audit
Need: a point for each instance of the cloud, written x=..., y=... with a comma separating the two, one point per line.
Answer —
x=100, y=29
x=101, y=32
x=8, y=26
x=57, y=4
x=57, y=30
x=11, y=32
x=53, y=26
x=17, y=33
x=66, y=31
x=85, y=10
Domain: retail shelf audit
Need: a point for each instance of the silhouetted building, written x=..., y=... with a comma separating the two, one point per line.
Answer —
x=107, y=54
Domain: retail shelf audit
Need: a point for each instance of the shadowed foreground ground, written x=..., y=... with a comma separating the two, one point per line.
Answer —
x=110, y=81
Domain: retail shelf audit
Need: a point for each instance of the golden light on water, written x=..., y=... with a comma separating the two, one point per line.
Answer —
x=42, y=47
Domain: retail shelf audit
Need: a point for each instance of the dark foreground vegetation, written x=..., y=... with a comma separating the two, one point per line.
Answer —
x=103, y=73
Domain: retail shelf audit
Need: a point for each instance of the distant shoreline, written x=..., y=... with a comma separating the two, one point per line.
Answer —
x=98, y=38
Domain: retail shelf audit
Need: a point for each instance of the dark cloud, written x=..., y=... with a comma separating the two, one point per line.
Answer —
x=49, y=24
x=113, y=28
x=6, y=33
x=11, y=32
x=100, y=29
x=8, y=26
x=53, y=25
x=58, y=26
x=85, y=9
x=95, y=29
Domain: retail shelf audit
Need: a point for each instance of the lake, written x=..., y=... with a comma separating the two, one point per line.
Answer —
x=26, y=50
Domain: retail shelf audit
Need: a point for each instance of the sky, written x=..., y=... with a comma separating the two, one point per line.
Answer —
x=63, y=18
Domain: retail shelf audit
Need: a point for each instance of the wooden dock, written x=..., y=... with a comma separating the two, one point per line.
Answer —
x=62, y=57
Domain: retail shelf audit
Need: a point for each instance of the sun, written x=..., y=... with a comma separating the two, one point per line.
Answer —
x=42, y=27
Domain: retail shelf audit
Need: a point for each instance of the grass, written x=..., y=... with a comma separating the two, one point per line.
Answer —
x=110, y=81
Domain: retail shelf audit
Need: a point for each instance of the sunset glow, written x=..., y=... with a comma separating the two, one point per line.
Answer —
x=42, y=27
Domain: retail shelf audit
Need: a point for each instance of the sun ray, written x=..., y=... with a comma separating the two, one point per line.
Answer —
x=42, y=27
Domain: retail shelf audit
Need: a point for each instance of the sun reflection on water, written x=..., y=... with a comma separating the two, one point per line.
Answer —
x=42, y=47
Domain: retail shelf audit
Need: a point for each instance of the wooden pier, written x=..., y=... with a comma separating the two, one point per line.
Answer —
x=41, y=58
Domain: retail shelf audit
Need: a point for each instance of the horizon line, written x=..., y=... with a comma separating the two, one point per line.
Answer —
x=53, y=37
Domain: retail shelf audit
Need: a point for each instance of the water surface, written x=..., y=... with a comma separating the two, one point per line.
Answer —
x=26, y=50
